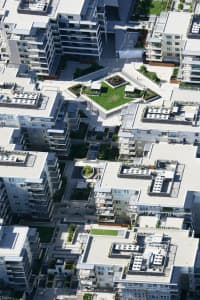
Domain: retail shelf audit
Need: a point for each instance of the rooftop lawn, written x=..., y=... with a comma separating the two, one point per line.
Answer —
x=45, y=233
x=150, y=7
x=157, y=7
x=104, y=232
x=111, y=98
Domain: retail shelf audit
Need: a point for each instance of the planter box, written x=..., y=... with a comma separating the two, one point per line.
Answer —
x=177, y=81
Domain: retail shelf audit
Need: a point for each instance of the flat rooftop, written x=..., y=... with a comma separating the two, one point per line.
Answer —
x=177, y=23
x=192, y=45
x=26, y=103
x=188, y=166
x=182, y=120
x=180, y=240
x=12, y=240
x=21, y=164
x=25, y=22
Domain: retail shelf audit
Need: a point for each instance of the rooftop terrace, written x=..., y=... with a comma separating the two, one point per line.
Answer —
x=158, y=186
x=143, y=254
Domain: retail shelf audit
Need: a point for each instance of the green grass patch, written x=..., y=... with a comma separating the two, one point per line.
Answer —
x=88, y=171
x=87, y=296
x=110, y=97
x=45, y=234
x=76, y=89
x=104, y=232
x=151, y=75
x=71, y=231
x=149, y=7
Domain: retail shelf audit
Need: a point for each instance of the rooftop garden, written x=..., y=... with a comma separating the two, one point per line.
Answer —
x=116, y=81
x=71, y=231
x=97, y=231
x=174, y=74
x=151, y=75
x=87, y=171
x=87, y=296
x=110, y=98
x=76, y=89
x=144, y=8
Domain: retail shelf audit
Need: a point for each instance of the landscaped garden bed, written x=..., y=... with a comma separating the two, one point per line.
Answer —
x=145, y=8
x=87, y=90
x=149, y=94
x=76, y=89
x=71, y=231
x=173, y=78
x=151, y=75
x=87, y=171
x=116, y=81
x=97, y=231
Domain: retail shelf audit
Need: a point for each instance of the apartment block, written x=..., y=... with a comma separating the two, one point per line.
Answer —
x=167, y=36
x=190, y=64
x=41, y=117
x=40, y=32
x=17, y=257
x=28, y=180
x=173, y=122
x=174, y=37
x=140, y=264
x=162, y=183
x=9, y=138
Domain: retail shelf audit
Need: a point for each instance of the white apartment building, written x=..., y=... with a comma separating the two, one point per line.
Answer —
x=42, y=118
x=176, y=121
x=17, y=257
x=162, y=183
x=28, y=180
x=141, y=264
x=174, y=37
x=190, y=64
x=38, y=33
x=167, y=36
x=8, y=136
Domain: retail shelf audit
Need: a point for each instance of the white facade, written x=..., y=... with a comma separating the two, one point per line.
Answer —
x=29, y=181
x=121, y=263
x=42, y=118
x=16, y=256
x=38, y=38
